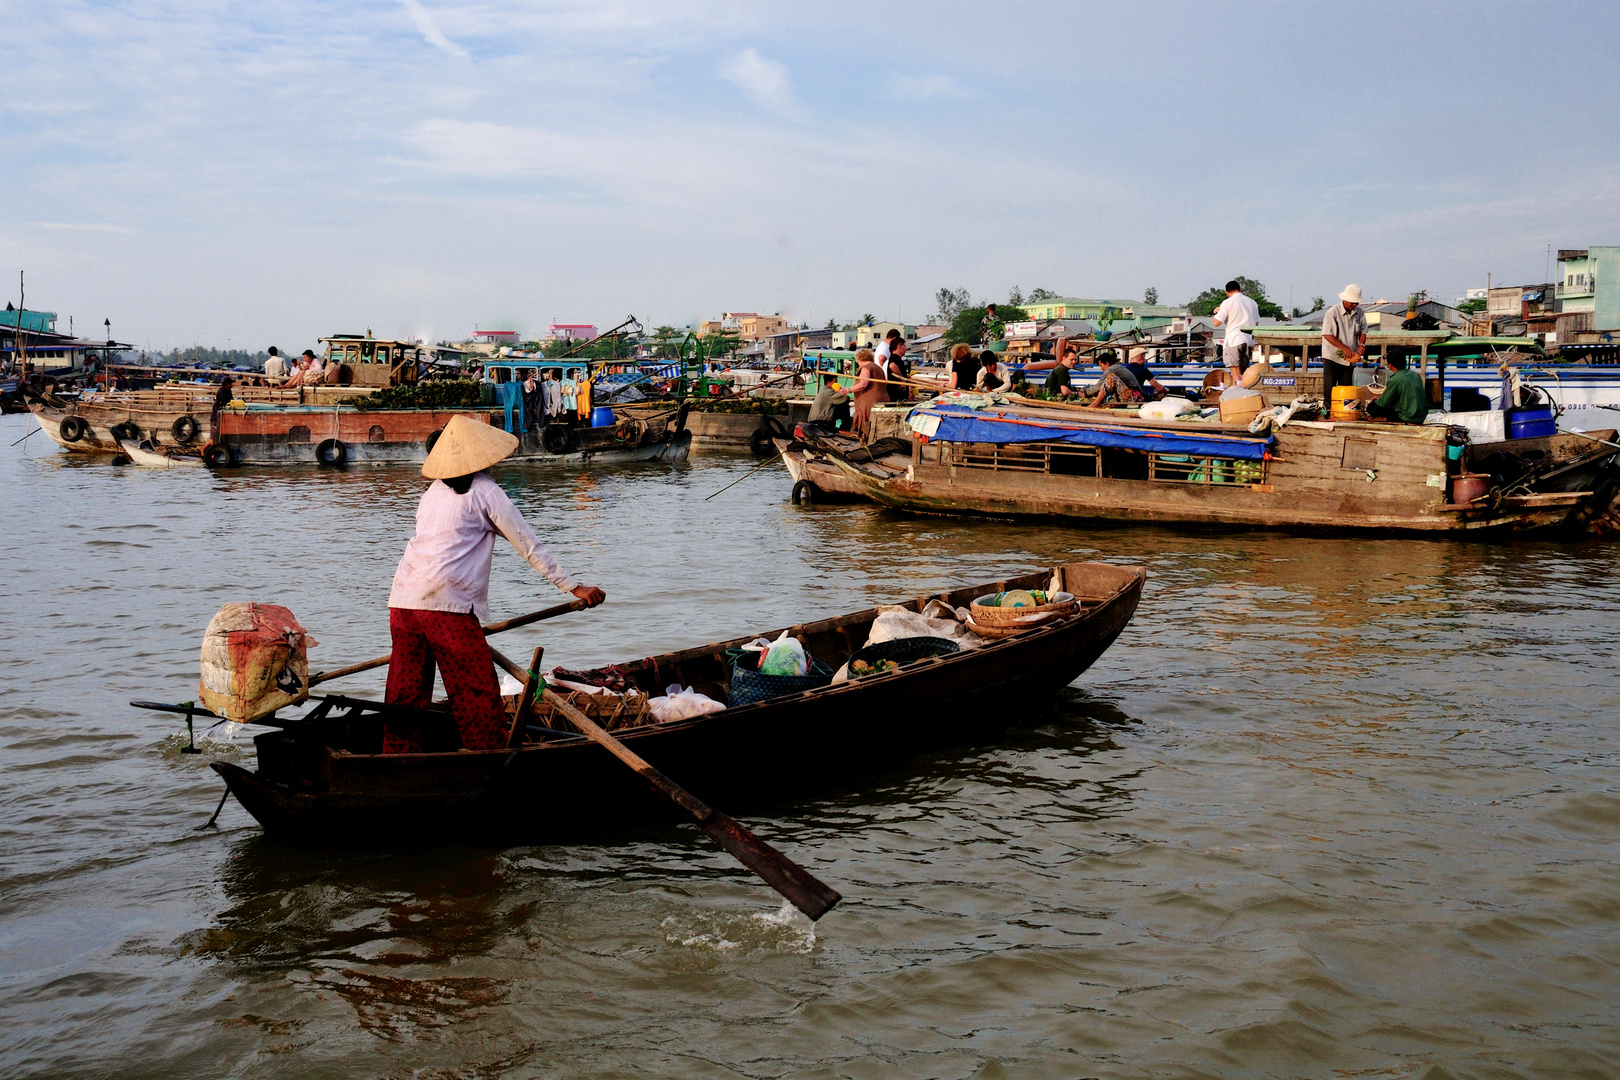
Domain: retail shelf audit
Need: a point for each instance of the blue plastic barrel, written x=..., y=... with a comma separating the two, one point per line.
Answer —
x=602, y=416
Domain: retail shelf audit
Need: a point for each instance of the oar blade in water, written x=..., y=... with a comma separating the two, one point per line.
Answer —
x=814, y=898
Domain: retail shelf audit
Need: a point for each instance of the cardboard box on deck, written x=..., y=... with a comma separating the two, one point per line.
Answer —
x=1241, y=410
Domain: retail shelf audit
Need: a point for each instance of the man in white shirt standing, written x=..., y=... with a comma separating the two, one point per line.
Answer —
x=441, y=589
x=1344, y=341
x=1237, y=313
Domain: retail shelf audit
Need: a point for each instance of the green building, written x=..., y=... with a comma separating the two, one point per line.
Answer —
x=1097, y=311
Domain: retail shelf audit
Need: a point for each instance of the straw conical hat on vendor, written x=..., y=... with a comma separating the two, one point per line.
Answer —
x=466, y=447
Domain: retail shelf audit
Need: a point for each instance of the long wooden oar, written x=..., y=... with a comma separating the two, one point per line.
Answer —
x=781, y=873
x=747, y=474
x=491, y=628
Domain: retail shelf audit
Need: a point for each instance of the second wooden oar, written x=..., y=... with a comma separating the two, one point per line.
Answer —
x=802, y=889
x=491, y=628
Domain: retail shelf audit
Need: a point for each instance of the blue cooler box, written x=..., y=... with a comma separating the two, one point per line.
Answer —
x=1532, y=424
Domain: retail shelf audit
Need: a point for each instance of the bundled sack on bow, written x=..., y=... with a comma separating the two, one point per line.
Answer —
x=255, y=660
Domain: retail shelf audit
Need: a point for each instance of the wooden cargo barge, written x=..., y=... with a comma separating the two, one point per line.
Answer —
x=1351, y=476
x=349, y=436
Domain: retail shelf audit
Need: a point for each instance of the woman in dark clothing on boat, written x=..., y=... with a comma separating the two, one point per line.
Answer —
x=962, y=372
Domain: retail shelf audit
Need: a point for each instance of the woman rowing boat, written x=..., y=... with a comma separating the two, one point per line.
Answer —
x=441, y=589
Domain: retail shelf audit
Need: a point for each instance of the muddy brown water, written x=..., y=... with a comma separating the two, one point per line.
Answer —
x=1330, y=807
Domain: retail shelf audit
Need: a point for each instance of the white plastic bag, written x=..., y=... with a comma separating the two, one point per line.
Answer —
x=1168, y=409
x=784, y=657
x=935, y=620
x=680, y=703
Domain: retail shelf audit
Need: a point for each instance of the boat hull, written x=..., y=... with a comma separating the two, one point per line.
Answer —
x=263, y=437
x=742, y=758
x=830, y=483
x=1346, y=477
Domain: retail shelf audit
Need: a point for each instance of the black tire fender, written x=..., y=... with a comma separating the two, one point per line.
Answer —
x=556, y=438
x=804, y=493
x=332, y=453
x=433, y=440
x=72, y=428
x=760, y=441
x=185, y=429
x=126, y=429
x=218, y=456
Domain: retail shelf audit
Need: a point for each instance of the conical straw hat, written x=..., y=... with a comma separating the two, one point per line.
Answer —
x=466, y=446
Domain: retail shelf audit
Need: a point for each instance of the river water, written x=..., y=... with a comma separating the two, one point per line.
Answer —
x=1330, y=807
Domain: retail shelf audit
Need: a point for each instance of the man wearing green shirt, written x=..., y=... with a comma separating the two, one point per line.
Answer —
x=1403, y=398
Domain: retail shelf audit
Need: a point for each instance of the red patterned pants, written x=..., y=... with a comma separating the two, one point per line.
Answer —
x=455, y=643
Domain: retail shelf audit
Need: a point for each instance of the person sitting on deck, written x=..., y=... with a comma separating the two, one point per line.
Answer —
x=274, y=366
x=992, y=375
x=1058, y=384
x=1404, y=399
x=831, y=405
x=441, y=589
x=1117, y=384
x=1152, y=388
x=308, y=372
x=962, y=370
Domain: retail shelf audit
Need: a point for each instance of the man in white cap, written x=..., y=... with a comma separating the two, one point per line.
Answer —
x=1344, y=341
x=441, y=589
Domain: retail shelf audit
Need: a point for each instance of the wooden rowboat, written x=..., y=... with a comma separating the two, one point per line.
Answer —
x=153, y=456
x=329, y=782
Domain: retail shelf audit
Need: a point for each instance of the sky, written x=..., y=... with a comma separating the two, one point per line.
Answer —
x=248, y=174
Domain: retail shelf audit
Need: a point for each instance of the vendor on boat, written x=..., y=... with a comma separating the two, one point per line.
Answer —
x=1344, y=341
x=831, y=404
x=441, y=589
x=992, y=374
x=1117, y=385
x=1403, y=399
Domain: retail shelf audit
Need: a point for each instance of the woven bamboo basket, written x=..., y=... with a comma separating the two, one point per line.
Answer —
x=990, y=615
x=611, y=711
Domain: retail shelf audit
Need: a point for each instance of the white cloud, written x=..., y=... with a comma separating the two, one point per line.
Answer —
x=766, y=81
x=82, y=226
x=923, y=87
x=428, y=27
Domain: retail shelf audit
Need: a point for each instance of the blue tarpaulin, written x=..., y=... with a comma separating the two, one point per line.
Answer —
x=963, y=425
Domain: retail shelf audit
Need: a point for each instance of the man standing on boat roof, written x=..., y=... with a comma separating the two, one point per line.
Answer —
x=441, y=589
x=1344, y=340
x=1237, y=313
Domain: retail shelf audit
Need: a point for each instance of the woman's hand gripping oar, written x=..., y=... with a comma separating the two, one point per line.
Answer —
x=491, y=628
x=787, y=877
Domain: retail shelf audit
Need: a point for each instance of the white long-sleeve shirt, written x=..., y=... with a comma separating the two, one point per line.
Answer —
x=1236, y=313
x=446, y=564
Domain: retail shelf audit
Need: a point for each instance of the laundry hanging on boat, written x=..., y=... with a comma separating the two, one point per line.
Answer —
x=953, y=423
